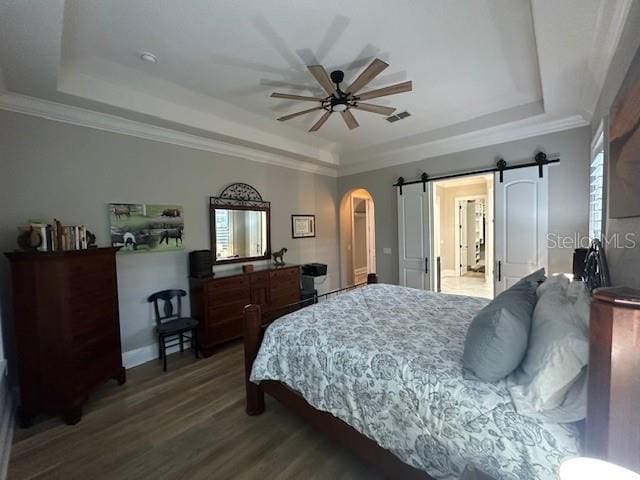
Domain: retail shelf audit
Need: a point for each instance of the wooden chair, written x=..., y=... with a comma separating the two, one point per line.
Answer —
x=171, y=323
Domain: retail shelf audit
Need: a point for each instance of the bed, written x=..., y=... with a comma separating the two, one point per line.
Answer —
x=379, y=369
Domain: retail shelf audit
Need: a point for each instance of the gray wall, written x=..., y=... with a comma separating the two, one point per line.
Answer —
x=51, y=169
x=568, y=189
x=624, y=263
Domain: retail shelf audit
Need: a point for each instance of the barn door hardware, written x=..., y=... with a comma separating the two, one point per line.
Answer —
x=501, y=165
x=540, y=160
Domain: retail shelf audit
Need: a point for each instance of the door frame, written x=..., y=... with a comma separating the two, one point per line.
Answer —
x=370, y=240
x=456, y=233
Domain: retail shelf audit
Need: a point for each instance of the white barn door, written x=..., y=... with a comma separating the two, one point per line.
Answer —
x=521, y=224
x=414, y=236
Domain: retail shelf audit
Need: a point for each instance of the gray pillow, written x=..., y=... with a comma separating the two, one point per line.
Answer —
x=550, y=381
x=497, y=338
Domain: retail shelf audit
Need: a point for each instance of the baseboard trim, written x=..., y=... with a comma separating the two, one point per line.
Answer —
x=7, y=421
x=145, y=354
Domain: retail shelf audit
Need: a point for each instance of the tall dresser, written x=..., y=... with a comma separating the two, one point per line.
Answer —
x=218, y=302
x=67, y=328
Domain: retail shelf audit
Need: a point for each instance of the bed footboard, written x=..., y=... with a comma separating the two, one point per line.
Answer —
x=254, y=326
x=253, y=333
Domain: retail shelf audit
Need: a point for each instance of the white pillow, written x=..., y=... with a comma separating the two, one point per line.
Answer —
x=554, y=282
x=549, y=384
x=578, y=293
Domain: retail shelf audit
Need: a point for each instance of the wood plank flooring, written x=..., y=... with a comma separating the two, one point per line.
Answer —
x=187, y=423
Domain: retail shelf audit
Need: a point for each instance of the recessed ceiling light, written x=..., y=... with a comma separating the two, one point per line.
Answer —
x=148, y=57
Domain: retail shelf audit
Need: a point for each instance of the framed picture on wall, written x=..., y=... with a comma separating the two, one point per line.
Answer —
x=143, y=227
x=303, y=226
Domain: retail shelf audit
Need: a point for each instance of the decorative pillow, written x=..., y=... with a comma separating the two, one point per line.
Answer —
x=579, y=294
x=555, y=282
x=550, y=383
x=497, y=338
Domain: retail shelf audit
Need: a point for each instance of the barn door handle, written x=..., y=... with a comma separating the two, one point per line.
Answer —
x=426, y=265
x=499, y=271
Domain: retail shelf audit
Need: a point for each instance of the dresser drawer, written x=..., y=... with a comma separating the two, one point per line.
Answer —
x=228, y=290
x=224, y=331
x=285, y=274
x=259, y=278
x=220, y=313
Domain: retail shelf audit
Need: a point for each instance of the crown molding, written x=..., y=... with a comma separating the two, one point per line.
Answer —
x=460, y=143
x=111, y=123
x=101, y=121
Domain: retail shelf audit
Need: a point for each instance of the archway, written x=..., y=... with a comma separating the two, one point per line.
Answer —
x=357, y=237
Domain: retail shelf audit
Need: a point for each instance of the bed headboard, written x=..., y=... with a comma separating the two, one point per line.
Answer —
x=590, y=266
x=613, y=402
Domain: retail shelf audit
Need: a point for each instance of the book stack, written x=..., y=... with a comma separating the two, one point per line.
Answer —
x=57, y=237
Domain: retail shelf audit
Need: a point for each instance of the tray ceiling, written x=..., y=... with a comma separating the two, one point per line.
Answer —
x=475, y=65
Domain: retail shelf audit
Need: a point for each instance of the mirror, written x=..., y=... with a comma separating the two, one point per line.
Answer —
x=240, y=225
x=240, y=234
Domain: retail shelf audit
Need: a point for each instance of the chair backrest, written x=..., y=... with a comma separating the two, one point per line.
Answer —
x=168, y=310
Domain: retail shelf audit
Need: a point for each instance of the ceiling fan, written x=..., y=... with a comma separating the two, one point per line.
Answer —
x=343, y=101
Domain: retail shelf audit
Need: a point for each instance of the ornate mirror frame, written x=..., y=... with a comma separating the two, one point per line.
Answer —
x=239, y=196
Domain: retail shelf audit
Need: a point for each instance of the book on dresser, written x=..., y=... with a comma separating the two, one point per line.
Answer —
x=218, y=302
x=65, y=306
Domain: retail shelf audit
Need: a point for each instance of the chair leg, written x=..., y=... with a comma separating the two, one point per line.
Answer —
x=181, y=342
x=159, y=347
x=164, y=353
x=194, y=342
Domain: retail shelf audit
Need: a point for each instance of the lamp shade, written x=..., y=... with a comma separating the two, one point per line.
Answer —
x=583, y=468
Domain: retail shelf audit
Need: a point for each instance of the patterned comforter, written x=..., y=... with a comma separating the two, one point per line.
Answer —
x=387, y=361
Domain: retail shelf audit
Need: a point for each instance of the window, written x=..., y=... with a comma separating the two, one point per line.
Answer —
x=224, y=233
x=596, y=189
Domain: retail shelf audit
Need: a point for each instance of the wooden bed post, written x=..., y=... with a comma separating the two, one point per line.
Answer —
x=252, y=324
x=372, y=278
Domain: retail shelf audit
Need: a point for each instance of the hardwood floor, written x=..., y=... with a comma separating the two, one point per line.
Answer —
x=187, y=423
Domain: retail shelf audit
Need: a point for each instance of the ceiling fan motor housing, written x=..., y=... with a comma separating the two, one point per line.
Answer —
x=337, y=76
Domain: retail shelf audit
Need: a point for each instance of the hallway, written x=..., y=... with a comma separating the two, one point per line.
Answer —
x=474, y=286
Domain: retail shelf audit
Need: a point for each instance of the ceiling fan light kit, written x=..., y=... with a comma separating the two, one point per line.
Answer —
x=342, y=101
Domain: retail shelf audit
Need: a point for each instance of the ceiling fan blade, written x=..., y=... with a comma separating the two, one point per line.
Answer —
x=292, y=115
x=368, y=74
x=390, y=90
x=325, y=116
x=349, y=119
x=323, y=78
x=368, y=107
x=301, y=98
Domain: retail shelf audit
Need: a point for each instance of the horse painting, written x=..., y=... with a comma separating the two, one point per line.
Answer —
x=120, y=212
x=175, y=233
x=171, y=212
x=143, y=227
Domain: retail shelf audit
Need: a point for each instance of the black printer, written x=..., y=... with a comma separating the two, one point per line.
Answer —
x=314, y=269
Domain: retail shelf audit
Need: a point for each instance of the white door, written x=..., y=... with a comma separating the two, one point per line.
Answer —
x=521, y=211
x=414, y=229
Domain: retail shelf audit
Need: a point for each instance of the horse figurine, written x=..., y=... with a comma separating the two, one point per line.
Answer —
x=277, y=256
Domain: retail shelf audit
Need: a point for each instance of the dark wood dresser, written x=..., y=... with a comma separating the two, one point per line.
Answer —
x=613, y=412
x=67, y=328
x=218, y=302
